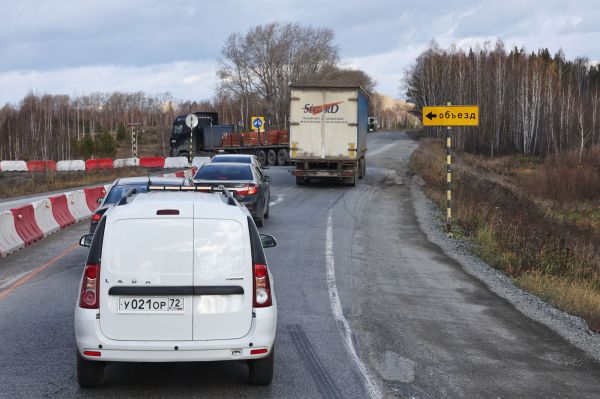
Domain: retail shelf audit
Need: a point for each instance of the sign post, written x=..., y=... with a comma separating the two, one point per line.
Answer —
x=134, y=147
x=191, y=121
x=450, y=115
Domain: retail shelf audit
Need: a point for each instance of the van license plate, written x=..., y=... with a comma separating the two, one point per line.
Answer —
x=151, y=304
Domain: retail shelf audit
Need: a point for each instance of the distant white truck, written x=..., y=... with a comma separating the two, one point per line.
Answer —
x=328, y=132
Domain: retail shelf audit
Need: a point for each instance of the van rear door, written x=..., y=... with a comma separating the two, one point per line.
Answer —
x=146, y=275
x=222, y=279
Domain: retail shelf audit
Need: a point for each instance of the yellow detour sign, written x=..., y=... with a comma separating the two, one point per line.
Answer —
x=451, y=115
x=258, y=123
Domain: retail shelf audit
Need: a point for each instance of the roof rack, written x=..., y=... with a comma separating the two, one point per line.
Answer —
x=200, y=189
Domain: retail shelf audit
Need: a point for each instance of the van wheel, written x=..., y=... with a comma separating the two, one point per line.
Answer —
x=89, y=374
x=261, y=370
x=282, y=157
x=272, y=158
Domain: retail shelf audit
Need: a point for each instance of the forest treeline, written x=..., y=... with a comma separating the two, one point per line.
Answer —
x=255, y=71
x=530, y=103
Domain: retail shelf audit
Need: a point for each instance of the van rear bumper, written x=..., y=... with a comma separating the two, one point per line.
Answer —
x=89, y=337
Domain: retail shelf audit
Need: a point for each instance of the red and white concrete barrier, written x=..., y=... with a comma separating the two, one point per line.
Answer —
x=10, y=241
x=13, y=166
x=77, y=164
x=45, y=217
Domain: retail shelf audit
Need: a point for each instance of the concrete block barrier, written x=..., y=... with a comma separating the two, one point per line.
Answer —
x=77, y=204
x=10, y=241
x=13, y=166
x=199, y=161
x=124, y=162
x=100, y=163
x=152, y=162
x=176, y=162
x=60, y=211
x=77, y=164
x=26, y=225
x=40, y=166
x=44, y=217
x=92, y=195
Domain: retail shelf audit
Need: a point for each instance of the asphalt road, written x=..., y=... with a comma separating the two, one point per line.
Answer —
x=367, y=306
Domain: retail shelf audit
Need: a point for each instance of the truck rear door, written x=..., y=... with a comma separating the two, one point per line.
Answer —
x=146, y=276
x=222, y=280
x=324, y=124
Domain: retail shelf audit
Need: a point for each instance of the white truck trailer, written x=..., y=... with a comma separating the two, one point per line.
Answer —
x=328, y=132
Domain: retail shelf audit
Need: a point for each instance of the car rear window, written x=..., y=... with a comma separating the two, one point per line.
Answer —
x=231, y=158
x=224, y=172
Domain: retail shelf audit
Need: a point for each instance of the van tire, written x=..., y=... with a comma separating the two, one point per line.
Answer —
x=261, y=370
x=89, y=373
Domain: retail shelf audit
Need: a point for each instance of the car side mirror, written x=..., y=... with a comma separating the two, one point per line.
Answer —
x=99, y=200
x=268, y=179
x=267, y=241
x=86, y=240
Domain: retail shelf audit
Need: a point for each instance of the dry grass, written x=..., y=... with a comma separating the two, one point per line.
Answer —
x=14, y=184
x=537, y=232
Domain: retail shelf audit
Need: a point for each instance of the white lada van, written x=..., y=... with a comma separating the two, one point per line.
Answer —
x=176, y=276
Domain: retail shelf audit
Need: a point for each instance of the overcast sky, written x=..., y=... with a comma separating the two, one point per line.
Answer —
x=78, y=47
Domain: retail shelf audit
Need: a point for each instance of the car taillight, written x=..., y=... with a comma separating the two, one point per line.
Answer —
x=96, y=217
x=247, y=190
x=90, y=287
x=262, y=286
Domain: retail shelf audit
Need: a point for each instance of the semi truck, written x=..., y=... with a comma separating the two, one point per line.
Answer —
x=271, y=146
x=328, y=133
x=207, y=136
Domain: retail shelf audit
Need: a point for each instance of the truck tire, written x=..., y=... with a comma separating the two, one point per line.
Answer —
x=89, y=373
x=282, y=157
x=300, y=181
x=262, y=157
x=363, y=168
x=272, y=158
x=261, y=370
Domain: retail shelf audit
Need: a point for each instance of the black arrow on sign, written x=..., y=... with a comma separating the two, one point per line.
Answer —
x=431, y=115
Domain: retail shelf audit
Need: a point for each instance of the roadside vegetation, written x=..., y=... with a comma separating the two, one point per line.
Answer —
x=536, y=219
x=14, y=184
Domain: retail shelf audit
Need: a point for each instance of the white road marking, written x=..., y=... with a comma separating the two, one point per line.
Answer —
x=336, y=307
x=382, y=149
x=9, y=281
x=277, y=201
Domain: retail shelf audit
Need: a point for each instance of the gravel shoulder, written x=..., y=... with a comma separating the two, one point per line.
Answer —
x=571, y=328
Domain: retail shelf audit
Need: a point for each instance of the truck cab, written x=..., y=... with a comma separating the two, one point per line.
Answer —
x=180, y=135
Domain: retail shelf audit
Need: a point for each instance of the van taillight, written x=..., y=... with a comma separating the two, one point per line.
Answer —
x=262, y=286
x=96, y=217
x=90, y=286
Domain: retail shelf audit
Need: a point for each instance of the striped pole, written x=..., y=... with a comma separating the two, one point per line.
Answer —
x=448, y=178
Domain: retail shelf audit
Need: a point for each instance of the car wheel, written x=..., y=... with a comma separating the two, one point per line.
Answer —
x=282, y=157
x=89, y=373
x=260, y=221
x=261, y=370
x=262, y=157
x=268, y=207
x=272, y=158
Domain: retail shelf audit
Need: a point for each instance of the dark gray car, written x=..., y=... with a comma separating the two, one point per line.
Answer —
x=121, y=186
x=249, y=183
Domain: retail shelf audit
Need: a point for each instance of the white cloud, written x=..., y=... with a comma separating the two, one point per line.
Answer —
x=184, y=80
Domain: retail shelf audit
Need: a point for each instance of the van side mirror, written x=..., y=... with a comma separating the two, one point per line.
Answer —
x=267, y=241
x=86, y=240
x=268, y=179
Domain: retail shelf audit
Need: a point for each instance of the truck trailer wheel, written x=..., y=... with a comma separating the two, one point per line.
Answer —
x=301, y=181
x=272, y=158
x=282, y=157
x=262, y=157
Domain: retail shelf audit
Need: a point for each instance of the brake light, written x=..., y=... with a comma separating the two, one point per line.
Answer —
x=262, y=286
x=90, y=287
x=96, y=217
x=248, y=190
x=258, y=351
x=92, y=353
